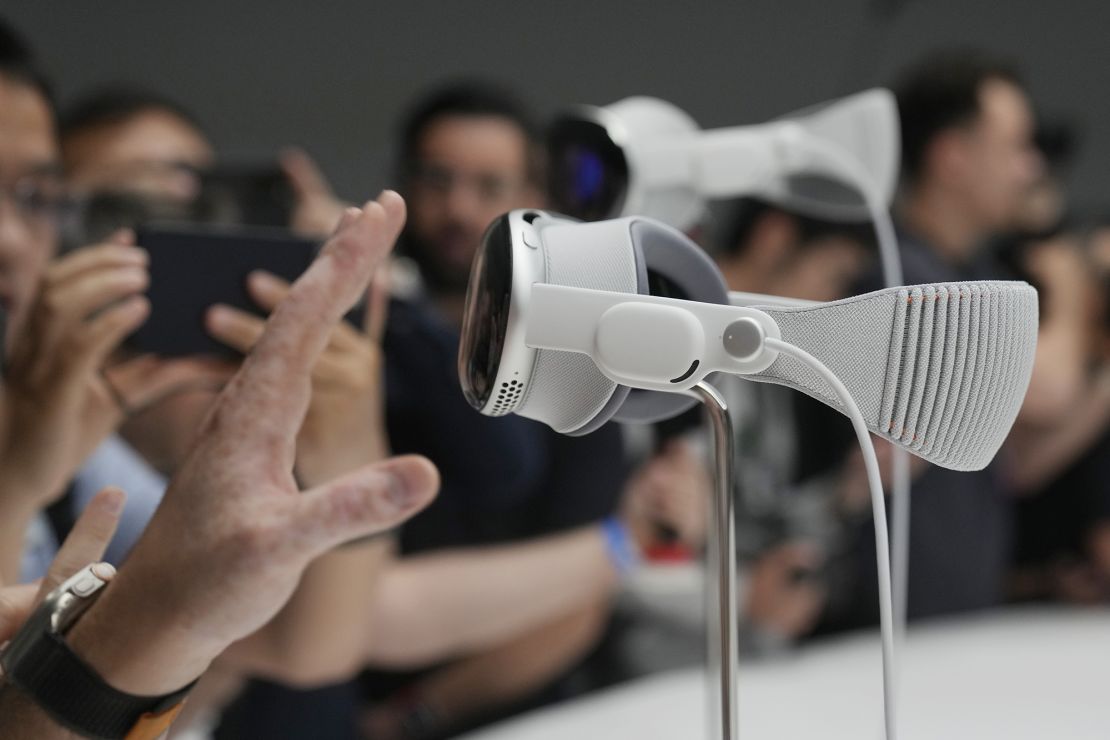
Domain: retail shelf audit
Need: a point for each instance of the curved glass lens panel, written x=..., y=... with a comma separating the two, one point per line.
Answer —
x=588, y=173
x=486, y=316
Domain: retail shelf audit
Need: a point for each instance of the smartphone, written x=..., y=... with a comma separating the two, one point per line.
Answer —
x=254, y=195
x=194, y=266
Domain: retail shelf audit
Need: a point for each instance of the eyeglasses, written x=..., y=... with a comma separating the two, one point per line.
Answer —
x=488, y=188
x=39, y=198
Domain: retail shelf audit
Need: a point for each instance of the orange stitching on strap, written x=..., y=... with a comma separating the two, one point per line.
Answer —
x=890, y=426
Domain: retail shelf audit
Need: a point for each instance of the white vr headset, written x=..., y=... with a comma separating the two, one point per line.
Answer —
x=643, y=156
x=574, y=324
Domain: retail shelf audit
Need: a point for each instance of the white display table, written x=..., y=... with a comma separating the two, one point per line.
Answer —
x=1013, y=675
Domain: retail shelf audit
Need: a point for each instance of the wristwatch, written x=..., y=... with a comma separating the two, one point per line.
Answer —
x=40, y=663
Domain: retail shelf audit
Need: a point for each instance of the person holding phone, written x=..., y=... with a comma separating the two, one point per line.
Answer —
x=140, y=144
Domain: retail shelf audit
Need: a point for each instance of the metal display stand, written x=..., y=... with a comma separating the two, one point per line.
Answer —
x=721, y=611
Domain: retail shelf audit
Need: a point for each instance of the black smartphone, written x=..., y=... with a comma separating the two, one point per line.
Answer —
x=193, y=267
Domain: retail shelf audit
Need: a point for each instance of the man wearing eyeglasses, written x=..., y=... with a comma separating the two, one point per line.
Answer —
x=469, y=152
x=64, y=319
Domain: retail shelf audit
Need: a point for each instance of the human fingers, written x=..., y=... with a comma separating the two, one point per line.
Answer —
x=104, y=334
x=235, y=328
x=272, y=388
x=304, y=175
x=88, y=539
x=118, y=251
x=143, y=381
x=370, y=500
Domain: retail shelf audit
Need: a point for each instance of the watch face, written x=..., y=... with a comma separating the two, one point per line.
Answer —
x=588, y=174
x=486, y=316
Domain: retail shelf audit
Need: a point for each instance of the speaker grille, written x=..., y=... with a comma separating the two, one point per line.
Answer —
x=508, y=395
x=939, y=369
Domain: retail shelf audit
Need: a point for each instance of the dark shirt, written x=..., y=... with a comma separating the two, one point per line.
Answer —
x=1055, y=522
x=503, y=479
x=271, y=711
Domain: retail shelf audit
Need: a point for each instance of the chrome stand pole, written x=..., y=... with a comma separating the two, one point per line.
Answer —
x=721, y=611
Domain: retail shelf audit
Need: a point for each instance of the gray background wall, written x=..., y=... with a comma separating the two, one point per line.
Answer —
x=333, y=76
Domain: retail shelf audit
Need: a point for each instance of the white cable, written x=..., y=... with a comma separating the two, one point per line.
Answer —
x=900, y=463
x=878, y=505
x=900, y=540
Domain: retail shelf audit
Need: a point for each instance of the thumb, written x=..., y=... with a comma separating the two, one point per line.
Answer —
x=367, y=501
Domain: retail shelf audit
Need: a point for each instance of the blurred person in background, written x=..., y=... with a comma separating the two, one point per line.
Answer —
x=61, y=395
x=1057, y=463
x=969, y=168
x=470, y=152
x=123, y=139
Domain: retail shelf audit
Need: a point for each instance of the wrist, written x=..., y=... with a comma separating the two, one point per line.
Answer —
x=137, y=648
x=42, y=663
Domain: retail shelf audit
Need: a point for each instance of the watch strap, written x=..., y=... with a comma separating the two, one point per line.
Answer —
x=75, y=696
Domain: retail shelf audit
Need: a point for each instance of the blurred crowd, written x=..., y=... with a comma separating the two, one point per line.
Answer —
x=546, y=566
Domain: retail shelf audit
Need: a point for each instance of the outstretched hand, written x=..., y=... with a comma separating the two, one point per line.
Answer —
x=227, y=547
